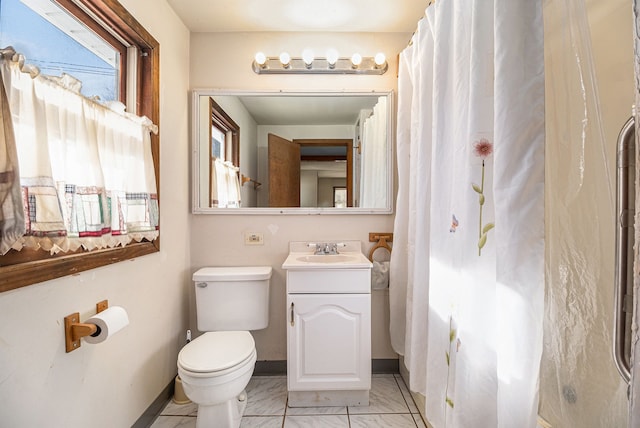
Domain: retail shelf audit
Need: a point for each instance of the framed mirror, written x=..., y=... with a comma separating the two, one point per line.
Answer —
x=286, y=152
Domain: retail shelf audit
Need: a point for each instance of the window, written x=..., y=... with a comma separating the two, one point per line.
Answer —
x=225, y=135
x=63, y=44
x=218, y=138
x=116, y=59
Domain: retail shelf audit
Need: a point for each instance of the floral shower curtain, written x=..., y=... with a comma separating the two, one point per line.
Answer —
x=467, y=270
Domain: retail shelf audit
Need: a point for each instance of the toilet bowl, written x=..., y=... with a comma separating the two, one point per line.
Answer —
x=216, y=367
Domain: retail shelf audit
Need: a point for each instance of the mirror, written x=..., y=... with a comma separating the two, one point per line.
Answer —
x=291, y=152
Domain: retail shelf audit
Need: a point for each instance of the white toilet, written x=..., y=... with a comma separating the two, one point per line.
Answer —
x=216, y=367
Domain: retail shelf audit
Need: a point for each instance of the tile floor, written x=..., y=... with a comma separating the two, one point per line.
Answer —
x=390, y=406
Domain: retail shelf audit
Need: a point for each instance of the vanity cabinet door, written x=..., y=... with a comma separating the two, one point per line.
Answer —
x=329, y=342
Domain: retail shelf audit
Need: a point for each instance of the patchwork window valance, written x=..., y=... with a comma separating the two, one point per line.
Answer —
x=86, y=174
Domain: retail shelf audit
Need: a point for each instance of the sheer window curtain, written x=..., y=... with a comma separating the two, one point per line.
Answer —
x=467, y=270
x=12, y=225
x=86, y=170
x=225, y=185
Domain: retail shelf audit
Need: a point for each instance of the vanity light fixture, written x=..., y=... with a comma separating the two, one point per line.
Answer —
x=260, y=59
x=307, y=58
x=285, y=59
x=356, y=60
x=332, y=58
x=332, y=63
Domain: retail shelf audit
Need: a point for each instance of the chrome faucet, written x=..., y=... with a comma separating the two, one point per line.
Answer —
x=326, y=248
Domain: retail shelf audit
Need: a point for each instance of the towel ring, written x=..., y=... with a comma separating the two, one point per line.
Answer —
x=382, y=243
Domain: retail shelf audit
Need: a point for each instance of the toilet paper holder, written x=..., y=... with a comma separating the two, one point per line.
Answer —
x=74, y=330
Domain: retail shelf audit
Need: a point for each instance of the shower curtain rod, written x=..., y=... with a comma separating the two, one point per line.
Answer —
x=414, y=33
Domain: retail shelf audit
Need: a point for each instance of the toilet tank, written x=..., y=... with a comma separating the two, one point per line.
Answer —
x=232, y=298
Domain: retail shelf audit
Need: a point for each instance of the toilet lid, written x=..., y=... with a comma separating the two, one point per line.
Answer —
x=216, y=350
x=238, y=273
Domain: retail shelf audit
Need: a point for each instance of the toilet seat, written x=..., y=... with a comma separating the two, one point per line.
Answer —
x=216, y=353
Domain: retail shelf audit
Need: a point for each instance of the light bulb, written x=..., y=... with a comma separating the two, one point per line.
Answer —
x=261, y=58
x=332, y=57
x=380, y=59
x=356, y=60
x=285, y=59
x=307, y=57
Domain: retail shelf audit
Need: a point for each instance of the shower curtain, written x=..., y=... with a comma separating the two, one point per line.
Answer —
x=373, y=153
x=467, y=270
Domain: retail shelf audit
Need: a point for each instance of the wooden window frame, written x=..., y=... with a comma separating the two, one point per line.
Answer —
x=221, y=120
x=28, y=266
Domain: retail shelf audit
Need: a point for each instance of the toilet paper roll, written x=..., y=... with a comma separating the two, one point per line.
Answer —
x=109, y=322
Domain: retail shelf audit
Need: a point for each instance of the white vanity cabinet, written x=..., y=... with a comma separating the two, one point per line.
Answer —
x=329, y=337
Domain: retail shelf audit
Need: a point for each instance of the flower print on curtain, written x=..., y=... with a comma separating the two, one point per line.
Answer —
x=451, y=358
x=86, y=170
x=482, y=148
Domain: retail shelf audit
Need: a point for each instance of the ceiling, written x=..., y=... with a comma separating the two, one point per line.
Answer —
x=300, y=15
x=307, y=110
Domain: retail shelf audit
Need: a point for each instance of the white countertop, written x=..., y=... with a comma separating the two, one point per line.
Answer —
x=301, y=256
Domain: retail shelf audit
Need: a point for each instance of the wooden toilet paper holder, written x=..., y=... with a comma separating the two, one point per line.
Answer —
x=74, y=330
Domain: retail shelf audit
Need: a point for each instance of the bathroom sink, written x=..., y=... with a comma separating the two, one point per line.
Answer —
x=349, y=256
x=326, y=258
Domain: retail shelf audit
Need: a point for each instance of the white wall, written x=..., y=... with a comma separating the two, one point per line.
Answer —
x=218, y=240
x=110, y=384
x=325, y=190
x=308, y=188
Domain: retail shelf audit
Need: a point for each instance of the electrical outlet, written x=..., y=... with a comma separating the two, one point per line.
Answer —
x=253, y=238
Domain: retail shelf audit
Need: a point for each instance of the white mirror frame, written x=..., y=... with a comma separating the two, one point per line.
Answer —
x=195, y=150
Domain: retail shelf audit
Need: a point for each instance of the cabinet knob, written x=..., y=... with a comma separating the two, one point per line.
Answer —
x=291, y=314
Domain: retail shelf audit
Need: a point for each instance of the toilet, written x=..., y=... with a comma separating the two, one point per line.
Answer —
x=216, y=367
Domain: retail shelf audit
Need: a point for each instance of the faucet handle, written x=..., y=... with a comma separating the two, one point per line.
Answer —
x=319, y=247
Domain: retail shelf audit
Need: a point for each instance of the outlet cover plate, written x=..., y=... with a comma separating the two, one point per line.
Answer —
x=253, y=238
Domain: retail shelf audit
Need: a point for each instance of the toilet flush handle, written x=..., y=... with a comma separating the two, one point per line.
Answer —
x=202, y=285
